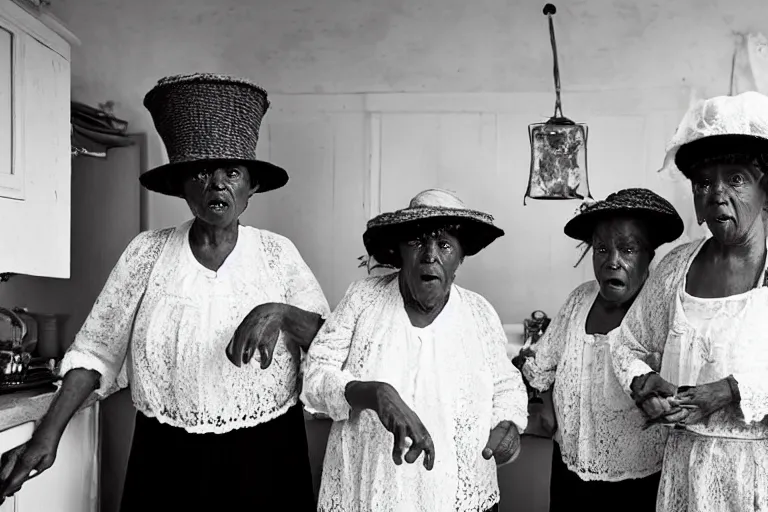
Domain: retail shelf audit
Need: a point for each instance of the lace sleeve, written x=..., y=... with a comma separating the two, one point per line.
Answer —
x=325, y=379
x=540, y=369
x=510, y=398
x=302, y=289
x=639, y=344
x=102, y=342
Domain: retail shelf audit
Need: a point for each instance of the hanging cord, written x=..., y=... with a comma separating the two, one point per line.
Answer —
x=549, y=11
x=733, y=65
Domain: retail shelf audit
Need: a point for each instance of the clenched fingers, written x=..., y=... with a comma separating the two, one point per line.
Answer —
x=265, y=338
x=655, y=407
x=400, y=443
x=237, y=347
x=256, y=333
x=23, y=468
x=413, y=438
x=503, y=442
x=7, y=463
x=422, y=443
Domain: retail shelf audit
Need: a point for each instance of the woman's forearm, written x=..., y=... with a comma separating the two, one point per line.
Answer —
x=302, y=326
x=77, y=386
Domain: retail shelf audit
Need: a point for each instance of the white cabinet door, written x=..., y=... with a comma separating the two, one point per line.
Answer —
x=35, y=186
x=10, y=439
x=70, y=485
x=9, y=505
x=12, y=42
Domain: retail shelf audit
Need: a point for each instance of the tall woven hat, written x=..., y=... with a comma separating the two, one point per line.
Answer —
x=719, y=126
x=206, y=119
x=664, y=223
x=433, y=206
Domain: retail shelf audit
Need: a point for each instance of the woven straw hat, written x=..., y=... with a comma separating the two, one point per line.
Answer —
x=718, y=126
x=663, y=220
x=384, y=232
x=208, y=119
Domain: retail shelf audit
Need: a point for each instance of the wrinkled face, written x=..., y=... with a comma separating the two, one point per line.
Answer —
x=218, y=195
x=729, y=198
x=429, y=264
x=621, y=255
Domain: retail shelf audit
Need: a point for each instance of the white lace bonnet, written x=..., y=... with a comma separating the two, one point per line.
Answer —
x=742, y=117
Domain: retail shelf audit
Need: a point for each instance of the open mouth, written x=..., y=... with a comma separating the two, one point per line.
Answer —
x=615, y=283
x=428, y=278
x=722, y=218
x=217, y=205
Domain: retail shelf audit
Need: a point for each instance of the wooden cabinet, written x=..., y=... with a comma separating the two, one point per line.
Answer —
x=34, y=145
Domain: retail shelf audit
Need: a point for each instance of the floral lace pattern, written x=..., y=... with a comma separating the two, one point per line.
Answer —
x=720, y=464
x=173, y=318
x=599, y=427
x=454, y=374
x=742, y=114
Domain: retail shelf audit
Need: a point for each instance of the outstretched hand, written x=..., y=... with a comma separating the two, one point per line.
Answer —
x=403, y=422
x=503, y=443
x=258, y=332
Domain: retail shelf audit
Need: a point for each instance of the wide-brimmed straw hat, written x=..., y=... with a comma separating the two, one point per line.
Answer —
x=717, y=126
x=206, y=119
x=664, y=223
x=433, y=206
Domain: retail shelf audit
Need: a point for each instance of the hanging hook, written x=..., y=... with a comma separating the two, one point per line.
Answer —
x=549, y=11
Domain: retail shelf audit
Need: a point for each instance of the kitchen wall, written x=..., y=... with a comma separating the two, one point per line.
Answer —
x=373, y=101
x=371, y=152
x=310, y=52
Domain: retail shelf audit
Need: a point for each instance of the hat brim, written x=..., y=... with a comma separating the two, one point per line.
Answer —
x=382, y=241
x=664, y=227
x=714, y=145
x=167, y=178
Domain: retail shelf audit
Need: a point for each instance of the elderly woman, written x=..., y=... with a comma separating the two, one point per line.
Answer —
x=208, y=433
x=601, y=449
x=705, y=310
x=411, y=364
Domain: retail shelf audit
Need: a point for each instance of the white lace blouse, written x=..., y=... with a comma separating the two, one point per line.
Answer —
x=721, y=464
x=599, y=427
x=173, y=318
x=454, y=374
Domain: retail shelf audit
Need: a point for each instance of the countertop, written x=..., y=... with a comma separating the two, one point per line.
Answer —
x=22, y=406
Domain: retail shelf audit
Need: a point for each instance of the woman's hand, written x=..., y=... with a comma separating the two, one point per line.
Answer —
x=651, y=393
x=503, y=443
x=259, y=331
x=519, y=360
x=701, y=401
x=26, y=461
x=397, y=418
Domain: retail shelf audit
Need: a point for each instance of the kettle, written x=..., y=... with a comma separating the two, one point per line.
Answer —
x=18, y=328
x=12, y=327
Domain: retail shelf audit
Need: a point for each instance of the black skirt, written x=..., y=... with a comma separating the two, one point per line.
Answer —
x=568, y=492
x=265, y=467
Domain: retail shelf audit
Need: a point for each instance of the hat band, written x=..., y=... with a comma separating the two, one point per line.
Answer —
x=195, y=156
